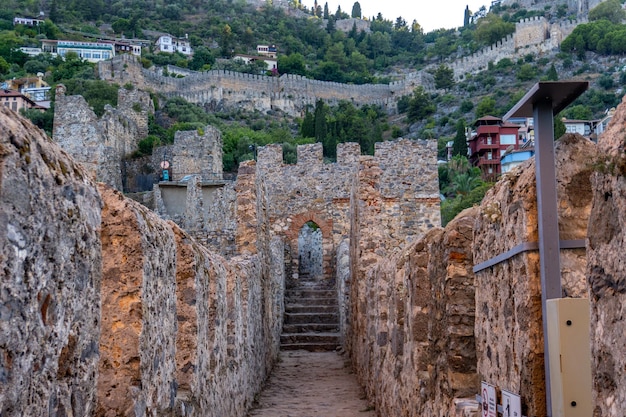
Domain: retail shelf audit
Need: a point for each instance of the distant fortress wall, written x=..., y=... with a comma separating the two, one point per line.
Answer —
x=219, y=88
x=532, y=36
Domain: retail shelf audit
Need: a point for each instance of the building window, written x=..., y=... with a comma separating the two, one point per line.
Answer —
x=14, y=107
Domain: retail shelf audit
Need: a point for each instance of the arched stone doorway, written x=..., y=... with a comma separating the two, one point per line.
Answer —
x=309, y=239
x=310, y=252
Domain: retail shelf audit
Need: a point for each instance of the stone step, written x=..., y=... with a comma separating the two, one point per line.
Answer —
x=310, y=327
x=310, y=301
x=310, y=293
x=311, y=347
x=308, y=338
x=313, y=309
x=304, y=318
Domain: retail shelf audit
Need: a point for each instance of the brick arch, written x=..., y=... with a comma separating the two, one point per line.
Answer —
x=298, y=220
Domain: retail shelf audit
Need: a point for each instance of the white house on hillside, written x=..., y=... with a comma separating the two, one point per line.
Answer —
x=267, y=50
x=170, y=44
x=28, y=21
x=89, y=51
x=270, y=63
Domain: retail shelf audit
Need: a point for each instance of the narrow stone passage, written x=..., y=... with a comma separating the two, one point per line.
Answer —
x=312, y=384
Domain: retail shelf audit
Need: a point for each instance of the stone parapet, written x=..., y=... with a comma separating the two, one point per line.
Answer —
x=412, y=319
x=51, y=270
x=109, y=310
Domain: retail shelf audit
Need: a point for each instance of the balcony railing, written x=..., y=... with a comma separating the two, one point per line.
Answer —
x=488, y=161
x=487, y=143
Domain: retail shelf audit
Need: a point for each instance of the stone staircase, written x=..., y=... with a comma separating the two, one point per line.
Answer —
x=311, y=319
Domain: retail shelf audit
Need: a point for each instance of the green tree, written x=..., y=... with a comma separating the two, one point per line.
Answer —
x=444, y=77
x=466, y=17
x=356, y=10
x=4, y=66
x=226, y=40
x=610, y=10
x=486, y=106
x=459, y=147
x=492, y=28
x=307, y=128
x=420, y=105
x=559, y=128
x=202, y=59
x=552, y=75
x=526, y=72
x=292, y=64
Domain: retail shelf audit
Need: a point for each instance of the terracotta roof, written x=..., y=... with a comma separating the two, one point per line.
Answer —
x=11, y=93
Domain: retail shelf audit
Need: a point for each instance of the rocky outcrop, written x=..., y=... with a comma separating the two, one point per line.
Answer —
x=50, y=265
x=606, y=270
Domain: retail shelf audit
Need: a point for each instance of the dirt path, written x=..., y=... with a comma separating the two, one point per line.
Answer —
x=312, y=384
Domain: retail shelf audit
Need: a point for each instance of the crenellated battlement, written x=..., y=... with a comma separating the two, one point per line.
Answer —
x=532, y=36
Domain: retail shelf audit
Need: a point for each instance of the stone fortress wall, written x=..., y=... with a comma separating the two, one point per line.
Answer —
x=312, y=190
x=532, y=36
x=226, y=89
x=108, y=309
x=100, y=144
x=580, y=7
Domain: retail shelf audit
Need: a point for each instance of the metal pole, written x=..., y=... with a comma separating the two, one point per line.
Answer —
x=549, y=261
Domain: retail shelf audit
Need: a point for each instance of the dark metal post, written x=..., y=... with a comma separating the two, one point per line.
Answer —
x=550, y=264
x=546, y=99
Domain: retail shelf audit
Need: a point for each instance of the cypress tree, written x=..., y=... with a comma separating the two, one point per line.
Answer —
x=459, y=147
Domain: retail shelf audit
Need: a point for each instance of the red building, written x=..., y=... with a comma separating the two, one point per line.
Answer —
x=492, y=138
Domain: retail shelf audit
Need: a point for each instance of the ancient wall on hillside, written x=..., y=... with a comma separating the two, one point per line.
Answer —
x=532, y=36
x=346, y=25
x=100, y=144
x=50, y=260
x=579, y=7
x=606, y=270
x=531, y=31
x=509, y=335
x=225, y=89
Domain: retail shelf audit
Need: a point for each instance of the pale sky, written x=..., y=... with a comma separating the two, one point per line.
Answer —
x=430, y=14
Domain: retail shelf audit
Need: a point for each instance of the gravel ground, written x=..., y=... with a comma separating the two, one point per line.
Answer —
x=312, y=384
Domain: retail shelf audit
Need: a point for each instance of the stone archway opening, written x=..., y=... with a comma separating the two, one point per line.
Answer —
x=310, y=252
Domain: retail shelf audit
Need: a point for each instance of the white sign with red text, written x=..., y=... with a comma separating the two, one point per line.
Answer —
x=488, y=394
